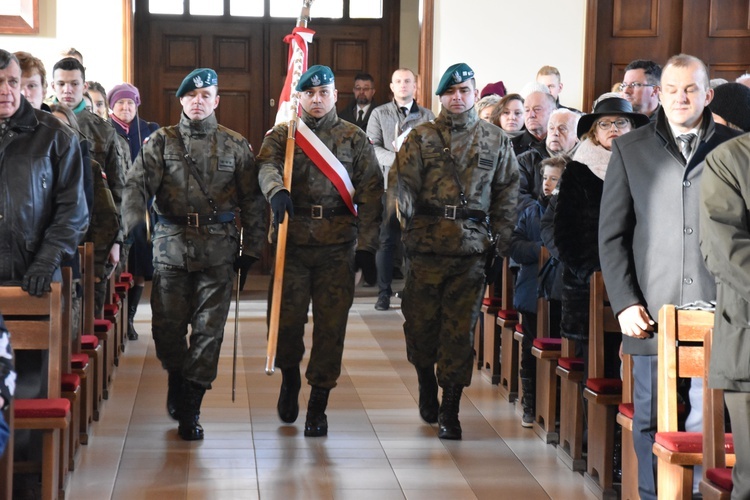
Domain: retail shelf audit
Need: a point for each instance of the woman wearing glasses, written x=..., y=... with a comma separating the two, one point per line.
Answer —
x=576, y=214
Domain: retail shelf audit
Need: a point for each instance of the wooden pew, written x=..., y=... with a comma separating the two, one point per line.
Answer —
x=90, y=343
x=602, y=395
x=70, y=383
x=35, y=324
x=570, y=370
x=629, y=483
x=492, y=332
x=507, y=319
x=716, y=483
x=681, y=355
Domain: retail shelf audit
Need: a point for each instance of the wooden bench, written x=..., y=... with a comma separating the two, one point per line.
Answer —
x=35, y=324
x=506, y=321
x=681, y=355
x=492, y=331
x=570, y=370
x=603, y=395
x=91, y=345
x=716, y=483
x=629, y=483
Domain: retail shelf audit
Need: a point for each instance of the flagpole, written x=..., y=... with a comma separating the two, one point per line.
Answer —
x=283, y=227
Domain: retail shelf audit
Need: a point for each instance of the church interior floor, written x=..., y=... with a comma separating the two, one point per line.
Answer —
x=377, y=447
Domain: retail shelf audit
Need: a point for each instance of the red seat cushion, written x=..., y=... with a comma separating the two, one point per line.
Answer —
x=89, y=341
x=519, y=328
x=689, y=442
x=492, y=301
x=721, y=477
x=605, y=385
x=41, y=408
x=126, y=278
x=571, y=364
x=550, y=344
x=79, y=361
x=627, y=409
x=111, y=310
x=101, y=325
x=122, y=287
x=70, y=382
x=507, y=314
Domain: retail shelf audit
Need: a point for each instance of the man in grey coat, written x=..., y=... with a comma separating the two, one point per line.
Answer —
x=388, y=126
x=725, y=243
x=648, y=235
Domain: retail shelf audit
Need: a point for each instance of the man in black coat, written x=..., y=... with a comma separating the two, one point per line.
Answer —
x=648, y=235
x=359, y=110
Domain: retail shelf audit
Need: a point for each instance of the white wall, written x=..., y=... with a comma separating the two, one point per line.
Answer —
x=510, y=40
x=94, y=27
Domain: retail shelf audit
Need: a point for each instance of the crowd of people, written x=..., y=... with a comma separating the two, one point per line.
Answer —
x=394, y=191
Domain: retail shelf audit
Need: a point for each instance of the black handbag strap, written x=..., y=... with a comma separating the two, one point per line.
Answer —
x=190, y=162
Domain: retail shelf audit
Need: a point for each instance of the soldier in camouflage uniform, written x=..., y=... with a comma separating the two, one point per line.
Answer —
x=453, y=172
x=69, y=84
x=323, y=234
x=199, y=172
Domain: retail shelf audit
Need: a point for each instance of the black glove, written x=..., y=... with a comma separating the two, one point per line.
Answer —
x=366, y=261
x=281, y=203
x=242, y=264
x=492, y=267
x=38, y=277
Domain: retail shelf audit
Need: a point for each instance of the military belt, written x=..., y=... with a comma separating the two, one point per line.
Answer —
x=318, y=212
x=451, y=212
x=197, y=220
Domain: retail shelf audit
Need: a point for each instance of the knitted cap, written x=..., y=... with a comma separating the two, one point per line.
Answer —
x=123, y=91
x=493, y=88
x=732, y=102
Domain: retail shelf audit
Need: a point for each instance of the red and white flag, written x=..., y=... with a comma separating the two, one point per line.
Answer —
x=297, y=65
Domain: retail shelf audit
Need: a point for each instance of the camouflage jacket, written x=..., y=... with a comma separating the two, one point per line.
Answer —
x=104, y=227
x=311, y=187
x=482, y=158
x=226, y=162
x=106, y=150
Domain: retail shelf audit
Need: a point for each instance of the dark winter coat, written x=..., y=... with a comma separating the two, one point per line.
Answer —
x=525, y=245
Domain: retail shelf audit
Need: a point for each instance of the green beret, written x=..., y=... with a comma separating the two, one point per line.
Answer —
x=198, y=79
x=457, y=73
x=315, y=76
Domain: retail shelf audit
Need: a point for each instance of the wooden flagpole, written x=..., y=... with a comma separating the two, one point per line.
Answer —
x=283, y=228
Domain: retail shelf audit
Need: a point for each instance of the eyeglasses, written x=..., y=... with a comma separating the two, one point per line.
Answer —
x=363, y=89
x=620, y=124
x=634, y=85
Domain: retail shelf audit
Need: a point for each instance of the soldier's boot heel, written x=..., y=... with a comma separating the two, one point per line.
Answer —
x=316, y=422
x=174, y=394
x=288, y=404
x=428, y=394
x=134, y=296
x=190, y=428
x=450, y=427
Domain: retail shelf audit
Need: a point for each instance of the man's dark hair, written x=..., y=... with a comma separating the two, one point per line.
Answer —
x=367, y=77
x=652, y=70
x=70, y=64
x=6, y=57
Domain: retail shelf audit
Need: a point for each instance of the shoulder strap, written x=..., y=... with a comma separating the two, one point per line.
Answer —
x=190, y=162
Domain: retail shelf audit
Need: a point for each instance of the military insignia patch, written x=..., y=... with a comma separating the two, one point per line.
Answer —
x=198, y=82
x=315, y=80
x=456, y=77
x=485, y=162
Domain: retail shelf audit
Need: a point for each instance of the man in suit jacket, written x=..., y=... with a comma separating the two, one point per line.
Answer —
x=648, y=235
x=359, y=110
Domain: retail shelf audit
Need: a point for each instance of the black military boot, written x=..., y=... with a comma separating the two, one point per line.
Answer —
x=174, y=393
x=450, y=427
x=316, y=423
x=528, y=401
x=134, y=296
x=288, y=405
x=428, y=394
x=190, y=428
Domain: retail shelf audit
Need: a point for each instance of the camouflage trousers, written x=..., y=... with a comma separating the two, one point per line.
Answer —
x=324, y=274
x=200, y=299
x=441, y=301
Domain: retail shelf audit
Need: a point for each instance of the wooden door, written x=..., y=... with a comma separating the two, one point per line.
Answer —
x=619, y=31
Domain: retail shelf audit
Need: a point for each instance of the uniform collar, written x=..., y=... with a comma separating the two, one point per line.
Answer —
x=198, y=127
x=325, y=121
x=459, y=121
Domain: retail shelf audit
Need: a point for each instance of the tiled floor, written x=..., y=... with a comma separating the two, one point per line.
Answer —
x=377, y=447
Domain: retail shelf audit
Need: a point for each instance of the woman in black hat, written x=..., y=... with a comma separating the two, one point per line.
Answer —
x=576, y=214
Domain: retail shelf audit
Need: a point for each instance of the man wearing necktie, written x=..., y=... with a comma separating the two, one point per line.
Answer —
x=359, y=110
x=648, y=236
x=387, y=128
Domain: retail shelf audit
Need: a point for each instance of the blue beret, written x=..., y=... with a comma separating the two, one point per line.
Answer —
x=198, y=79
x=458, y=73
x=315, y=76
